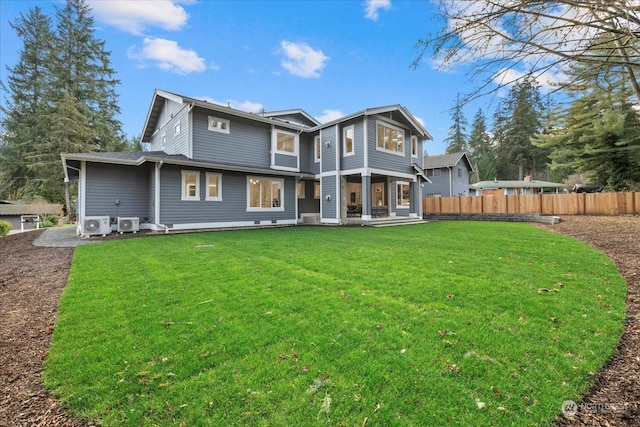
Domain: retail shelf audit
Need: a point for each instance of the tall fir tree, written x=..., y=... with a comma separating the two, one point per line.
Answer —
x=68, y=132
x=516, y=121
x=599, y=134
x=481, y=151
x=82, y=68
x=27, y=94
x=457, y=139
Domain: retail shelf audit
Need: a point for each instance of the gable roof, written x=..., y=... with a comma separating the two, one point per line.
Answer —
x=395, y=112
x=151, y=122
x=448, y=160
x=302, y=117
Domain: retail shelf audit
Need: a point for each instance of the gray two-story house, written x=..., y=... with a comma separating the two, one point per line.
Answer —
x=211, y=166
x=449, y=174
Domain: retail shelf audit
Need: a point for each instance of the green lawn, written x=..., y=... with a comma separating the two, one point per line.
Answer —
x=451, y=323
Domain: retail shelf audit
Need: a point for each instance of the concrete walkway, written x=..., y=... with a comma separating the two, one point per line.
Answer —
x=61, y=237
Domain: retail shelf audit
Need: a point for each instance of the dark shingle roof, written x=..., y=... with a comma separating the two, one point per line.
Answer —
x=446, y=160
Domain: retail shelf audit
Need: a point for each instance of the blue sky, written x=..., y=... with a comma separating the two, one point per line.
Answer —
x=329, y=58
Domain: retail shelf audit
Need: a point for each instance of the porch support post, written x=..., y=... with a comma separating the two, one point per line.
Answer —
x=366, y=197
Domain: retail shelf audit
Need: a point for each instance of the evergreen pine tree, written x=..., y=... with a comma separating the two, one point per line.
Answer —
x=68, y=132
x=516, y=121
x=481, y=152
x=27, y=94
x=82, y=69
x=457, y=139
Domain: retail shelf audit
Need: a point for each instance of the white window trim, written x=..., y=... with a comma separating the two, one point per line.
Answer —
x=400, y=184
x=317, y=147
x=163, y=141
x=177, y=128
x=414, y=146
x=395, y=152
x=218, y=176
x=216, y=128
x=296, y=142
x=304, y=189
x=185, y=197
x=346, y=153
x=269, y=209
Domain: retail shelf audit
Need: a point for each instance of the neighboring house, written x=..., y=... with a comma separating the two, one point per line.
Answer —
x=26, y=216
x=516, y=187
x=449, y=175
x=211, y=166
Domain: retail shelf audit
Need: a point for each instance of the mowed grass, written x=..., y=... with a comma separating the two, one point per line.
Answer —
x=452, y=323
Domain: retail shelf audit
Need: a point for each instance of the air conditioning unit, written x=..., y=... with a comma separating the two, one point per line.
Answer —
x=128, y=224
x=96, y=225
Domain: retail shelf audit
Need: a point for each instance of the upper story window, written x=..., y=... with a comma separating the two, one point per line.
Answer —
x=433, y=172
x=389, y=138
x=286, y=142
x=264, y=194
x=190, y=185
x=214, y=187
x=459, y=172
x=347, y=141
x=414, y=146
x=316, y=148
x=217, y=124
x=403, y=194
x=163, y=141
x=176, y=129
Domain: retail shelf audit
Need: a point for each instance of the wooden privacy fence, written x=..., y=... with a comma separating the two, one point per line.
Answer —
x=544, y=204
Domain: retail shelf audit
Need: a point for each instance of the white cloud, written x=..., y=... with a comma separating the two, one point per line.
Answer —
x=134, y=16
x=301, y=60
x=329, y=115
x=248, y=106
x=372, y=7
x=168, y=55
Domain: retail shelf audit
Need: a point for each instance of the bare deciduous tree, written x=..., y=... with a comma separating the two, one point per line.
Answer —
x=505, y=40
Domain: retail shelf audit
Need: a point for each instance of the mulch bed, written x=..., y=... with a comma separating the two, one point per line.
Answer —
x=32, y=279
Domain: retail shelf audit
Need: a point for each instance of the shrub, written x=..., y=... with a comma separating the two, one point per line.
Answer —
x=5, y=228
x=53, y=219
x=46, y=224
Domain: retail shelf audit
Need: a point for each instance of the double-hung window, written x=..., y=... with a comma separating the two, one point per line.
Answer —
x=389, y=138
x=403, y=194
x=264, y=193
x=190, y=185
x=214, y=187
x=347, y=141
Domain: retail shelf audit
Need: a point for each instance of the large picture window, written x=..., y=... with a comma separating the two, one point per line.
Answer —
x=264, y=193
x=190, y=185
x=403, y=194
x=214, y=187
x=389, y=138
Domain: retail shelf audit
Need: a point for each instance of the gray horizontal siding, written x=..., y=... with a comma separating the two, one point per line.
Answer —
x=386, y=160
x=232, y=207
x=328, y=154
x=328, y=188
x=286, y=161
x=171, y=113
x=356, y=160
x=130, y=185
x=247, y=143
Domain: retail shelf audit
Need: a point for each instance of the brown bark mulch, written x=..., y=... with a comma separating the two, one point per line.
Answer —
x=32, y=279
